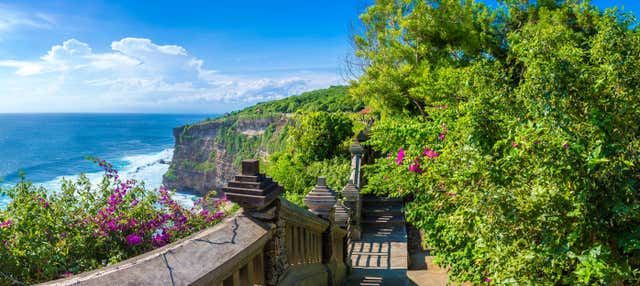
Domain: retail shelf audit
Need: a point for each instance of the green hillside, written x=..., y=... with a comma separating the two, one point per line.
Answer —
x=332, y=99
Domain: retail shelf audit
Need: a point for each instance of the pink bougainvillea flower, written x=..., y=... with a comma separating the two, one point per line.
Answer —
x=160, y=239
x=415, y=167
x=218, y=215
x=6, y=224
x=444, y=129
x=400, y=157
x=441, y=187
x=565, y=145
x=441, y=137
x=429, y=153
x=488, y=280
x=133, y=239
x=514, y=144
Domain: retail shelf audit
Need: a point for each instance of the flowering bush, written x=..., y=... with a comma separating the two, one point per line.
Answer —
x=537, y=174
x=47, y=235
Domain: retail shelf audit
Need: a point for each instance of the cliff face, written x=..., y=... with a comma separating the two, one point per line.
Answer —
x=207, y=154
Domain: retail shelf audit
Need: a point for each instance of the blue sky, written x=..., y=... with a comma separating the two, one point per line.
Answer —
x=171, y=57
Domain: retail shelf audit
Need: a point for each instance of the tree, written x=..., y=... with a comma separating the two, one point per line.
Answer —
x=318, y=135
x=532, y=110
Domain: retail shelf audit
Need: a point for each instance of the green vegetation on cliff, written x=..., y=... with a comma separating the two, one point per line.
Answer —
x=297, y=138
x=332, y=99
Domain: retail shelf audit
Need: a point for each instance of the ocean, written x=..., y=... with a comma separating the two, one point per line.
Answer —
x=48, y=147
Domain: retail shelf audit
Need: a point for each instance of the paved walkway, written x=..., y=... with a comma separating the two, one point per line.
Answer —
x=380, y=257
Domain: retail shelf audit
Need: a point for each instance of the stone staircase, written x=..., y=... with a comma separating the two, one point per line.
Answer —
x=380, y=257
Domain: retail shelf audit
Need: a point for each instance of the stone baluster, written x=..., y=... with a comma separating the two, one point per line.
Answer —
x=257, y=194
x=321, y=201
x=356, y=152
x=342, y=214
x=351, y=195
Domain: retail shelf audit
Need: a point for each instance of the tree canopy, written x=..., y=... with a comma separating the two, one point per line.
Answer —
x=519, y=135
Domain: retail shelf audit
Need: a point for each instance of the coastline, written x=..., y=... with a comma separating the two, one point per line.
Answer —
x=148, y=168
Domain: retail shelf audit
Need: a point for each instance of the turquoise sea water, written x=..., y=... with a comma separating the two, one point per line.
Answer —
x=47, y=147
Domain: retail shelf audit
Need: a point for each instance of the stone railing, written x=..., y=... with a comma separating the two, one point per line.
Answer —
x=269, y=242
x=229, y=253
x=307, y=246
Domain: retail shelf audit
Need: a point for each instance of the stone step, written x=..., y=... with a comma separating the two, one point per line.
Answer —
x=378, y=281
x=384, y=215
x=390, y=210
x=375, y=199
x=374, y=204
x=382, y=221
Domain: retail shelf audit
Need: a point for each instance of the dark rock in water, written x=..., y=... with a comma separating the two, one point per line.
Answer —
x=163, y=161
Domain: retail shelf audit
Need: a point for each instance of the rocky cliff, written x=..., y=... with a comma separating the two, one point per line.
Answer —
x=207, y=154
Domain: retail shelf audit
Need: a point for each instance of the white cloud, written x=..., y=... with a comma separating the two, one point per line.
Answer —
x=141, y=47
x=11, y=18
x=137, y=75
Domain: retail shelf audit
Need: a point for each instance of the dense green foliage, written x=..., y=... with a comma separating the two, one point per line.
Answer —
x=318, y=135
x=317, y=146
x=46, y=235
x=519, y=135
x=332, y=99
x=298, y=178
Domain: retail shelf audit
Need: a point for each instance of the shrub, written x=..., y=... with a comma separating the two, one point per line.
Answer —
x=319, y=135
x=513, y=133
x=298, y=179
x=48, y=235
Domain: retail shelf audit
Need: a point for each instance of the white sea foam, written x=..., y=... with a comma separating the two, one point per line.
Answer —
x=147, y=168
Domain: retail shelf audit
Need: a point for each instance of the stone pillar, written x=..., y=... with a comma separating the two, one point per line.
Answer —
x=258, y=195
x=352, y=201
x=356, y=152
x=321, y=201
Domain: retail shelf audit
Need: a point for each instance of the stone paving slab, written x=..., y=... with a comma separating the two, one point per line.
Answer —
x=429, y=274
x=380, y=257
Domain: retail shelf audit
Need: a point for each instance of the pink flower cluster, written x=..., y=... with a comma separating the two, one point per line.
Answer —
x=158, y=226
x=5, y=224
x=415, y=164
x=430, y=153
x=400, y=157
x=133, y=239
x=444, y=132
x=415, y=167
x=44, y=202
